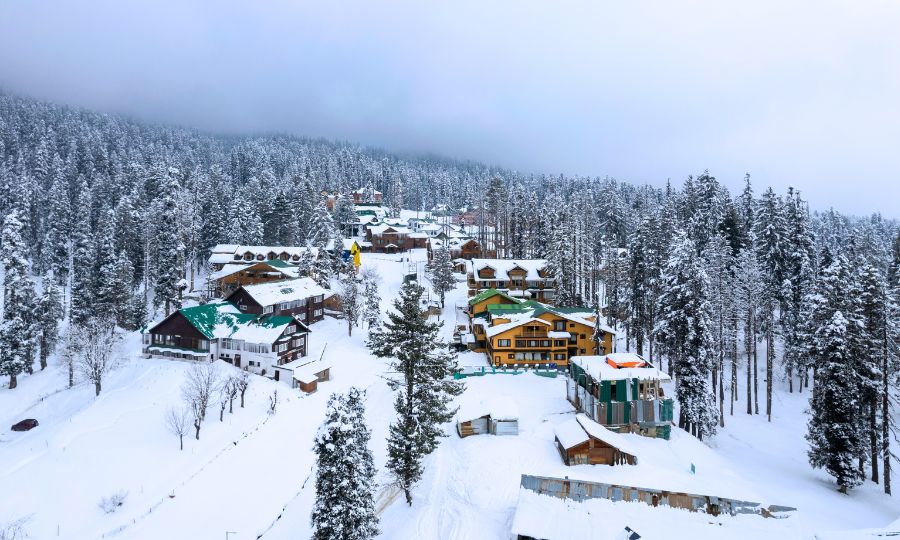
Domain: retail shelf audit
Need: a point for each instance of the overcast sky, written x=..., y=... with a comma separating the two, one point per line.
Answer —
x=803, y=93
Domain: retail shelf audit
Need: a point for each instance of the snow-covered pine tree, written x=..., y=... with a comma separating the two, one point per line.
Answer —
x=82, y=291
x=718, y=262
x=425, y=389
x=770, y=247
x=441, y=272
x=748, y=284
x=873, y=356
x=799, y=273
x=167, y=287
x=50, y=312
x=344, y=214
x=833, y=431
x=107, y=296
x=372, y=307
x=15, y=331
x=345, y=472
x=684, y=331
x=56, y=236
x=351, y=307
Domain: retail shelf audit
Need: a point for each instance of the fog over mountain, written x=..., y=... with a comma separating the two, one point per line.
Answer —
x=802, y=94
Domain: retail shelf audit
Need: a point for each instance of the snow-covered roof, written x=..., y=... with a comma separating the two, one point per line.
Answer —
x=500, y=328
x=503, y=266
x=268, y=294
x=570, y=433
x=306, y=373
x=234, y=268
x=497, y=407
x=558, y=335
x=221, y=320
x=599, y=432
x=381, y=228
x=598, y=368
x=225, y=253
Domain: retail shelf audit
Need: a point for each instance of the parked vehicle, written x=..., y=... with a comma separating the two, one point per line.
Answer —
x=25, y=425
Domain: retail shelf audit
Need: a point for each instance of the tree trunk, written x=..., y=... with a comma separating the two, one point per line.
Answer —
x=44, y=353
x=97, y=387
x=770, y=353
x=197, y=428
x=71, y=373
x=873, y=438
x=749, y=345
x=242, y=397
x=231, y=405
x=790, y=377
x=222, y=414
x=181, y=441
x=755, y=372
x=886, y=414
x=12, y=381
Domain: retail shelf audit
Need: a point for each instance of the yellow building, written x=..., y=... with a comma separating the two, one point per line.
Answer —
x=515, y=332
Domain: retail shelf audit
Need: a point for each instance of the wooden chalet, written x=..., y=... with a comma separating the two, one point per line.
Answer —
x=460, y=248
x=364, y=195
x=581, y=441
x=231, y=276
x=304, y=374
x=515, y=332
x=223, y=254
x=621, y=391
x=219, y=331
x=302, y=298
x=521, y=278
x=388, y=237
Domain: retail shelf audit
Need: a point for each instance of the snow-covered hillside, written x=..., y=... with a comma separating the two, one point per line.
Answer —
x=251, y=474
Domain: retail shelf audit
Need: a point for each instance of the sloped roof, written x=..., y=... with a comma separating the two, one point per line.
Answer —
x=286, y=269
x=497, y=407
x=503, y=266
x=599, y=432
x=500, y=328
x=484, y=295
x=570, y=433
x=598, y=368
x=267, y=294
x=224, y=320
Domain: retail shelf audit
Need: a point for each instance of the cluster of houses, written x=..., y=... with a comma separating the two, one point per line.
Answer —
x=260, y=319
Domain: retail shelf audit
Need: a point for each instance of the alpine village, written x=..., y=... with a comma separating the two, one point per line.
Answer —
x=293, y=338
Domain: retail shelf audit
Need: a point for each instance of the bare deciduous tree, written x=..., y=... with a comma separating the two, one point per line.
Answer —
x=177, y=422
x=233, y=389
x=14, y=530
x=273, y=401
x=92, y=350
x=196, y=416
x=199, y=384
x=243, y=382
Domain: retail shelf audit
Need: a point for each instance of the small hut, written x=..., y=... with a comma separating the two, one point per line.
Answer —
x=495, y=416
x=309, y=376
x=581, y=441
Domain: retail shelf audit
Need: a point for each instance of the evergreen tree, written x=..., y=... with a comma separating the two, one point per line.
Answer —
x=170, y=250
x=833, y=432
x=344, y=214
x=350, y=304
x=425, y=390
x=684, y=329
x=441, y=270
x=372, y=304
x=106, y=294
x=345, y=472
x=56, y=239
x=15, y=331
x=82, y=296
x=49, y=314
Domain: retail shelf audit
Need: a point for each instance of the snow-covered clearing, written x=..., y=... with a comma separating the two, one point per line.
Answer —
x=252, y=468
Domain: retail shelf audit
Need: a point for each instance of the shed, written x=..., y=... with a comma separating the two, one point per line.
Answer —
x=581, y=441
x=495, y=416
x=308, y=376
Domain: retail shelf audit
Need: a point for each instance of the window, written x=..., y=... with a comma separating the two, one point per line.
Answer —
x=559, y=343
x=559, y=356
x=291, y=329
x=268, y=309
x=511, y=356
x=571, y=325
x=281, y=347
x=317, y=313
x=559, y=326
x=503, y=343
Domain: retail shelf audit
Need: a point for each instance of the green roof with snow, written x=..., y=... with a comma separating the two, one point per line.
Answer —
x=209, y=318
x=484, y=295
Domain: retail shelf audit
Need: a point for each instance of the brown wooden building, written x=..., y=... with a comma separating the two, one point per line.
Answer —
x=233, y=275
x=581, y=441
x=302, y=298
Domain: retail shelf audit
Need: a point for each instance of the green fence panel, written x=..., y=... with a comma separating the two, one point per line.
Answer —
x=605, y=391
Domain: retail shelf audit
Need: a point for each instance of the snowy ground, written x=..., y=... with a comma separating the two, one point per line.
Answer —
x=247, y=471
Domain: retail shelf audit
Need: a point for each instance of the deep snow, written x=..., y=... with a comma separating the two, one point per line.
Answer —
x=247, y=471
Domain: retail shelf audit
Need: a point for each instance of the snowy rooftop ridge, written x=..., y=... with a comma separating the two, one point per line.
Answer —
x=601, y=370
x=497, y=407
x=267, y=294
x=503, y=266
